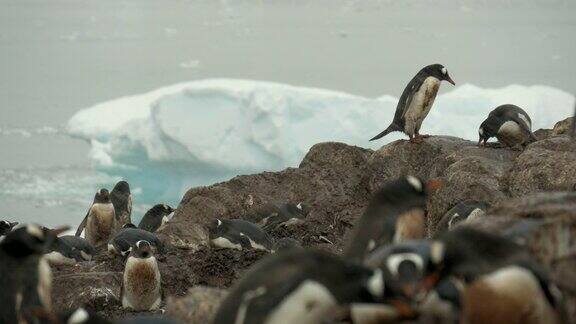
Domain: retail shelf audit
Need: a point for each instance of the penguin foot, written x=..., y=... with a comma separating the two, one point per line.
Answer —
x=417, y=140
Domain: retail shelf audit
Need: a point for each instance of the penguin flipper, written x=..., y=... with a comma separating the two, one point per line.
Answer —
x=83, y=224
x=392, y=128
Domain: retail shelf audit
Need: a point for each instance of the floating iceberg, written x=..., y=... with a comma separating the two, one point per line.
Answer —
x=205, y=131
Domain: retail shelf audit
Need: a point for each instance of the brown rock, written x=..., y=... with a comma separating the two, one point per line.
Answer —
x=547, y=165
x=198, y=306
x=563, y=127
x=96, y=290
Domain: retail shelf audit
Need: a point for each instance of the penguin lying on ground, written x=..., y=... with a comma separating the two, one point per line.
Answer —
x=395, y=214
x=121, y=198
x=25, y=277
x=510, y=124
x=156, y=218
x=100, y=221
x=238, y=234
x=6, y=227
x=464, y=210
x=141, y=289
x=273, y=215
x=416, y=101
x=69, y=250
x=298, y=286
x=87, y=251
x=127, y=237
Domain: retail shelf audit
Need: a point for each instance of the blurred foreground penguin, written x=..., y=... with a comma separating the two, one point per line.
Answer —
x=6, y=227
x=395, y=214
x=510, y=124
x=100, y=221
x=141, y=289
x=238, y=234
x=510, y=295
x=298, y=286
x=156, y=218
x=25, y=276
x=121, y=198
x=416, y=101
x=127, y=237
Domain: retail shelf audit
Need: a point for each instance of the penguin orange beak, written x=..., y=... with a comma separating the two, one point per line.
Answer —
x=449, y=79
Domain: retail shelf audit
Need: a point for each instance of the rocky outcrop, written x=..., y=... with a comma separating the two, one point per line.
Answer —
x=198, y=306
x=336, y=181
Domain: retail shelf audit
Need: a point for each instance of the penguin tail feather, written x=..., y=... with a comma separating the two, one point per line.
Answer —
x=390, y=129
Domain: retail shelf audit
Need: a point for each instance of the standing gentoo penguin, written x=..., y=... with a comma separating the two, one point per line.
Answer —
x=156, y=218
x=6, y=227
x=416, y=101
x=122, y=200
x=25, y=276
x=298, y=286
x=395, y=214
x=141, y=289
x=100, y=221
x=238, y=234
x=127, y=237
x=510, y=124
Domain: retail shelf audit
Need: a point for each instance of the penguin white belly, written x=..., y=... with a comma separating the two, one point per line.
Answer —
x=225, y=243
x=45, y=283
x=101, y=224
x=420, y=105
x=141, y=284
x=518, y=294
x=306, y=304
x=511, y=134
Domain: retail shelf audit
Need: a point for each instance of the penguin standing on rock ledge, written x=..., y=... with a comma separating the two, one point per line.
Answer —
x=416, y=101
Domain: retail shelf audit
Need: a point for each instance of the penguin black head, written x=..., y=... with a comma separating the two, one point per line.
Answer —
x=412, y=268
x=122, y=186
x=439, y=72
x=129, y=225
x=142, y=250
x=102, y=196
x=29, y=240
x=6, y=226
x=161, y=210
x=407, y=191
x=487, y=130
x=216, y=227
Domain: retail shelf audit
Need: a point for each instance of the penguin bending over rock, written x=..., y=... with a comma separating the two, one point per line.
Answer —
x=69, y=250
x=298, y=286
x=510, y=124
x=238, y=234
x=127, y=237
x=121, y=198
x=141, y=289
x=416, y=101
x=100, y=221
x=25, y=276
x=87, y=251
x=156, y=218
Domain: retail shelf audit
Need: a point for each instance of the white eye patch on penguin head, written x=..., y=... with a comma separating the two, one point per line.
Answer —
x=216, y=227
x=415, y=183
x=444, y=70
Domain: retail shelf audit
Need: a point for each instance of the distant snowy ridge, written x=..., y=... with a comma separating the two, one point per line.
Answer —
x=209, y=130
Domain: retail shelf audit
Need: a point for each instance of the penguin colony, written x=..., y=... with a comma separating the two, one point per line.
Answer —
x=388, y=272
